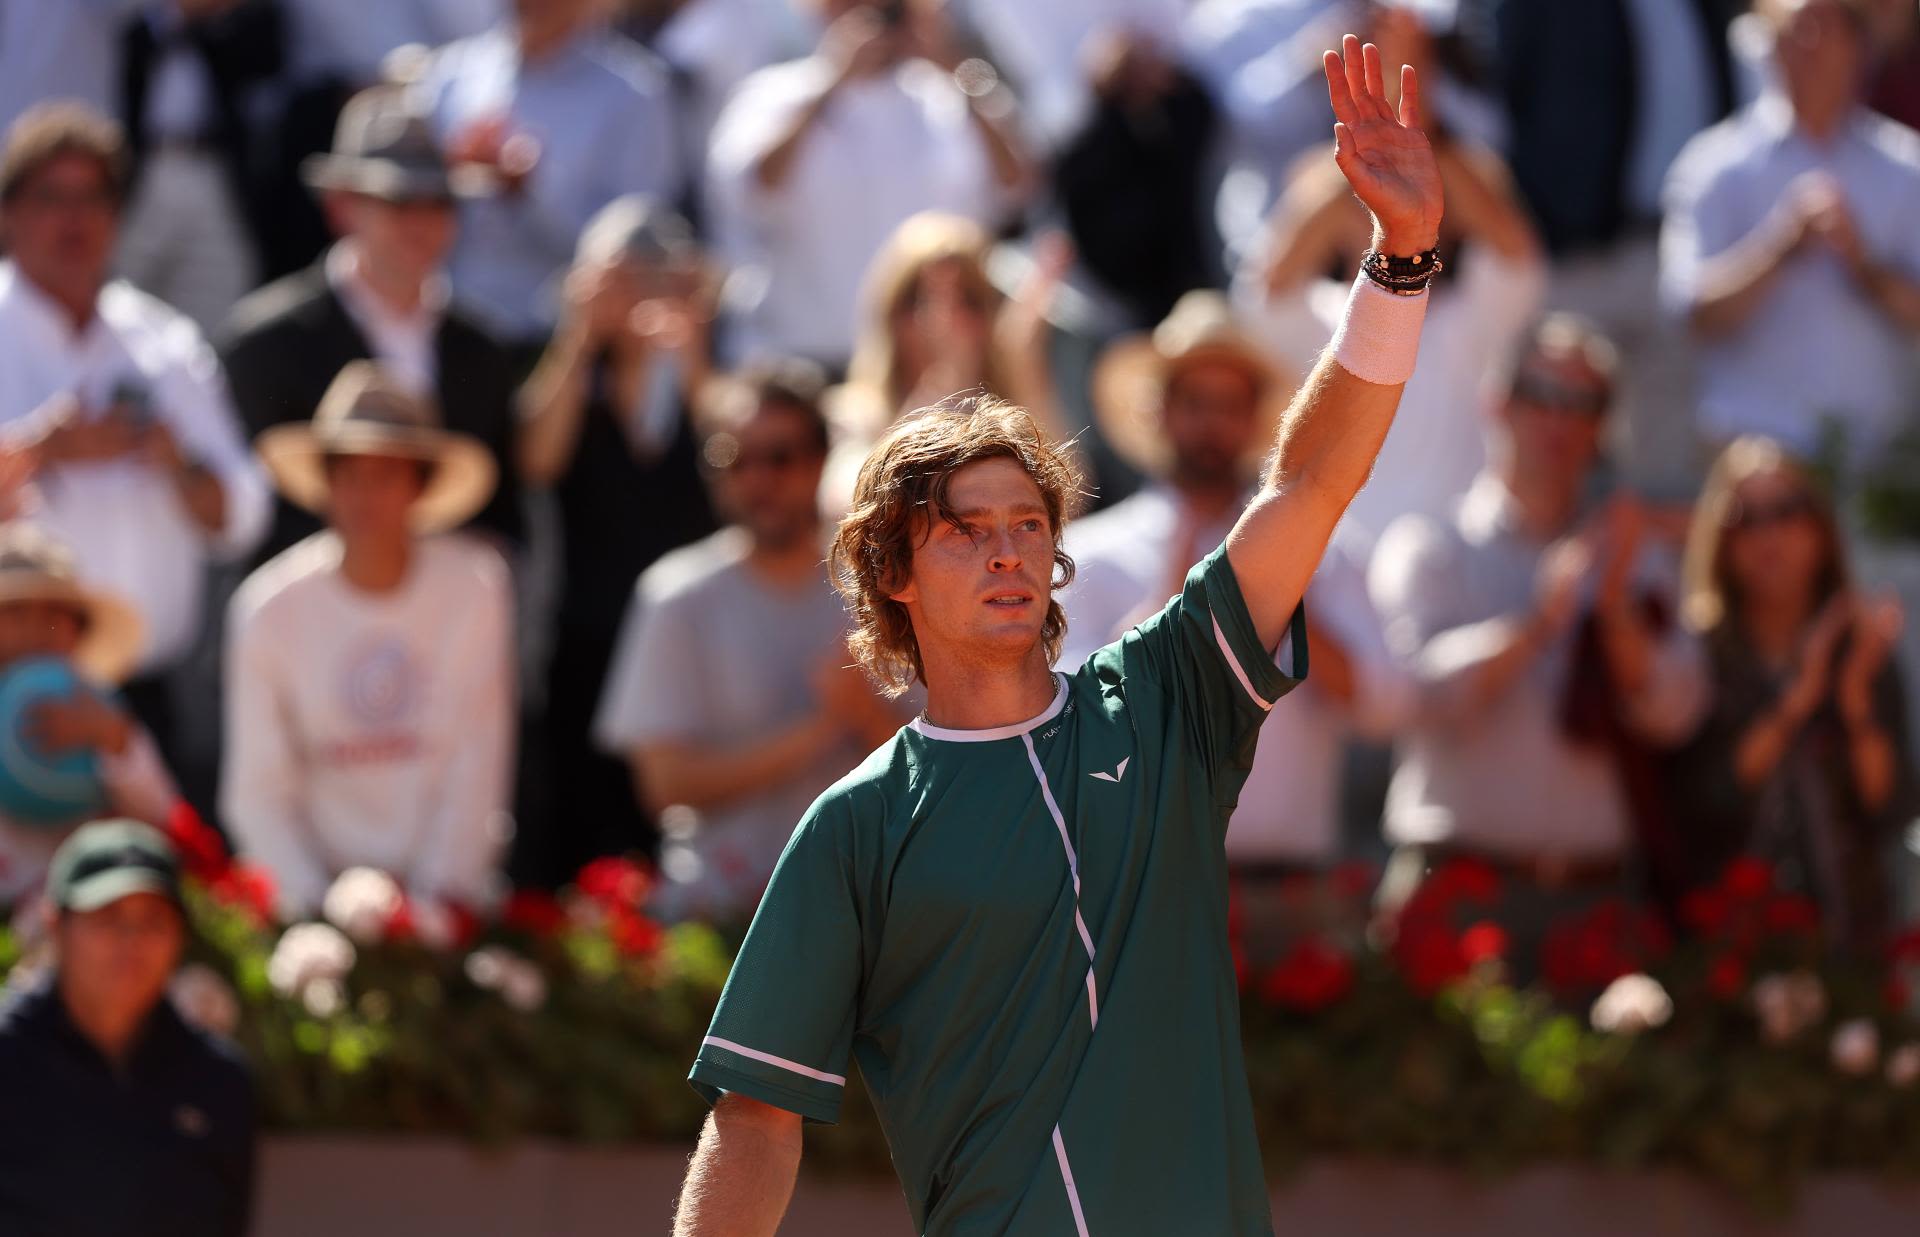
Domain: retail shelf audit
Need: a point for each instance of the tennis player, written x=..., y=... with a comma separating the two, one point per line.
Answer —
x=1013, y=915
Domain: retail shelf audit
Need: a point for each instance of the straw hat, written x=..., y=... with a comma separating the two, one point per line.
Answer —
x=385, y=149
x=1130, y=380
x=35, y=567
x=366, y=413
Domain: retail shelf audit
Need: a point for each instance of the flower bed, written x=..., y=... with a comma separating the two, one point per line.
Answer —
x=1742, y=1054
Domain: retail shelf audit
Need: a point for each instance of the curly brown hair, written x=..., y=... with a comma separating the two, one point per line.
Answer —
x=903, y=488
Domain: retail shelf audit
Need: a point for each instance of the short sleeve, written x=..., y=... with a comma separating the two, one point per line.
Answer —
x=654, y=690
x=1205, y=653
x=784, y=1026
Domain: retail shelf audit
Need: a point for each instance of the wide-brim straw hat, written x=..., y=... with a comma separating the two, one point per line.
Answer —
x=365, y=413
x=36, y=567
x=384, y=149
x=1130, y=379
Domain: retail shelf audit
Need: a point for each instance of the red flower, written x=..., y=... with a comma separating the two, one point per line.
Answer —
x=1485, y=941
x=1906, y=946
x=633, y=934
x=615, y=881
x=1704, y=911
x=1463, y=880
x=1747, y=879
x=1312, y=976
x=246, y=888
x=534, y=912
x=203, y=852
x=1727, y=977
x=1429, y=955
x=1354, y=880
x=1897, y=994
x=1791, y=914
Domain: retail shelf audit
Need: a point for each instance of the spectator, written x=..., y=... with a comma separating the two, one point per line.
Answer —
x=370, y=667
x=46, y=613
x=1194, y=408
x=142, y=467
x=1496, y=277
x=733, y=692
x=816, y=160
x=933, y=323
x=608, y=428
x=1804, y=760
x=141, y=1122
x=1044, y=48
x=348, y=41
x=1132, y=176
x=379, y=293
x=189, y=68
x=1601, y=95
x=1792, y=247
x=566, y=116
x=59, y=49
x=1543, y=663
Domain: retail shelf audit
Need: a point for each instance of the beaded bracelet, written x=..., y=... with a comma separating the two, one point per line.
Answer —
x=1404, y=276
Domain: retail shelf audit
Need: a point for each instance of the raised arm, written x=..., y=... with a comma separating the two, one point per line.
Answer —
x=1330, y=435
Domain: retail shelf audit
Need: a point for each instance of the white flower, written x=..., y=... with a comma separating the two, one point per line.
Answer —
x=1632, y=1004
x=518, y=981
x=1856, y=1047
x=1903, y=1066
x=1788, y=1004
x=361, y=902
x=306, y=952
x=323, y=997
x=204, y=999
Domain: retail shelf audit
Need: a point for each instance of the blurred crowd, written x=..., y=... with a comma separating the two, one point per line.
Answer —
x=421, y=422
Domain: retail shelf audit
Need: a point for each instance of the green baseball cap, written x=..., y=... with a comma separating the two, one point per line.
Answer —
x=112, y=859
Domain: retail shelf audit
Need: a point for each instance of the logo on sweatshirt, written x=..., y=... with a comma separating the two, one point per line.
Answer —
x=382, y=683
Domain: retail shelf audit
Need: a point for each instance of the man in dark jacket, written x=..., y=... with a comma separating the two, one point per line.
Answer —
x=378, y=294
x=126, y=1118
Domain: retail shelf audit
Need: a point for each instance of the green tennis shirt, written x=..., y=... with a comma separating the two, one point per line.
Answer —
x=1021, y=935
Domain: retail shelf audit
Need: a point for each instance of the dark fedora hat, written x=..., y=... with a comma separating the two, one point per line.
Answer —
x=385, y=149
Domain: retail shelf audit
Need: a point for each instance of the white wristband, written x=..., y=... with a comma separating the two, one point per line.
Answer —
x=1379, y=335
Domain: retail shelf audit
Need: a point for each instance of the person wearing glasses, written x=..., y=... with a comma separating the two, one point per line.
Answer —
x=1548, y=665
x=732, y=693
x=1803, y=760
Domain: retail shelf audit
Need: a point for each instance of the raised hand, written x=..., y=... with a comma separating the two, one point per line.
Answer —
x=1383, y=154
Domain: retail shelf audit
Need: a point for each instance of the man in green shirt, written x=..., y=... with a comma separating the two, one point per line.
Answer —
x=1013, y=915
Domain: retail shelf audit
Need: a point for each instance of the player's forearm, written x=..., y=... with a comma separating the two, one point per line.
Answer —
x=741, y=1178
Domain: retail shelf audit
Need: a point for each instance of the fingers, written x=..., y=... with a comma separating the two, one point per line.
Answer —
x=1351, y=61
x=1409, y=97
x=1375, y=78
x=1337, y=92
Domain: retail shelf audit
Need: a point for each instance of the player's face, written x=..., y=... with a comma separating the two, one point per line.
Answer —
x=981, y=584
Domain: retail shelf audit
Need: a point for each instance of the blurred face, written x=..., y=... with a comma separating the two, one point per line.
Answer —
x=980, y=587
x=1822, y=52
x=1211, y=413
x=767, y=476
x=945, y=312
x=38, y=629
x=61, y=225
x=557, y=13
x=408, y=241
x=1402, y=38
x=1775, y=546
x=118, y=959
x=370, y=497
x=1554, y=414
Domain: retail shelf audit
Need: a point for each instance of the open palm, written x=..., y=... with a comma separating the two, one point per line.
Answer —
x=1384, y=155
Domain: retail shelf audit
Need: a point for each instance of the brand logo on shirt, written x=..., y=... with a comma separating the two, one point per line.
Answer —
x=1119, y=772
x=380, y=681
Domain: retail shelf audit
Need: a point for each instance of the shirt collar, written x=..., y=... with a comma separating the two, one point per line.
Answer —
x=1773, y=116
x=343, y=276
x=1489, y=509
x=921, y=725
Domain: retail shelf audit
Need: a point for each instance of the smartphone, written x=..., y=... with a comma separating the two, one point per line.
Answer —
x=893, y=13
x=131, y=399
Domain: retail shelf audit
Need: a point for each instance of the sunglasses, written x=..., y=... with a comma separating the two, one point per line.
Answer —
x=1548, y=393
x=1787, y=509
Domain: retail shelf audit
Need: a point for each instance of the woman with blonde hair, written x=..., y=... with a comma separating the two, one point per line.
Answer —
x=933, y=325
x=1803, y=759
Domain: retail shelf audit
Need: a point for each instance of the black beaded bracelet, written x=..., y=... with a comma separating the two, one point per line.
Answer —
x=1403, y=276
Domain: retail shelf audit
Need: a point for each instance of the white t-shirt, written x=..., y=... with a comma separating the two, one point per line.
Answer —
x=372, y=730
x=885, y=149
